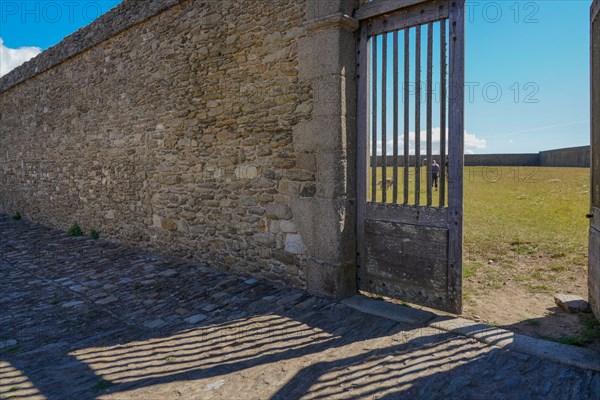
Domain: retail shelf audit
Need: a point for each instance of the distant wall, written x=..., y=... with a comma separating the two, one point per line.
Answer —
x=571, y=157
x=502, y=160
x=575, y=157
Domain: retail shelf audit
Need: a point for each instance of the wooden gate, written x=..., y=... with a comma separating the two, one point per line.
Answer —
x=594, y=250
x=409, y=232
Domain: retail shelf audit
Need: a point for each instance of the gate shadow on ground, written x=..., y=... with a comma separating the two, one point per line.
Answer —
x=69, y=347
x=134, y=361
x=406, y=371
x=314, y=347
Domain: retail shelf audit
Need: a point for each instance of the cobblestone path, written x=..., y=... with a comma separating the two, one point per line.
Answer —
x=85, y=319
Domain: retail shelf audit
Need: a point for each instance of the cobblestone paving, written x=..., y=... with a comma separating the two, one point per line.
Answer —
x=84, y=319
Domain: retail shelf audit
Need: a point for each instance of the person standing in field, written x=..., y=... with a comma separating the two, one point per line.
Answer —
x=435, y=174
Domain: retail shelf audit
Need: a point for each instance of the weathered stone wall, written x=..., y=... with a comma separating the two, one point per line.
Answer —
x=191, y=130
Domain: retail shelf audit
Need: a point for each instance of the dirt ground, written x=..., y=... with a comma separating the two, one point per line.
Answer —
x=521, y=299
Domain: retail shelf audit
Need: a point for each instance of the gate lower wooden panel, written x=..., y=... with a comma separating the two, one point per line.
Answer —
x=408, y=261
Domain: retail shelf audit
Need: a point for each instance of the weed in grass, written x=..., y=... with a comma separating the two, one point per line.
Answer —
x=591, y=332
x=13, y=349
x=75, y=230
x=558, y=255
x=95, y=234
x=539, y=288
x=470, y=268
x=552, y=277
x=467, y=296
x=571, y=340
x=16, y=216
x=524, y=249
x=55, y=302
x=14, y=388
x=536, y=275
x=591, y=327
x=170, y=359
x=102, y=385
x=559, y=267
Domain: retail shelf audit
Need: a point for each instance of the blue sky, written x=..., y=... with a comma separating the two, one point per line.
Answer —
x=545, y=50
x=535, y=52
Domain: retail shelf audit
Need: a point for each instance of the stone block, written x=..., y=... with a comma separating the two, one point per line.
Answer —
x=316, y=9
x=327, y=52
x=329, y=96
x=168, y=224
x=288, y=187
x=306, y=161
x=334, y=177
x=571, y=303
x=299, y=175
x=327, y=227
x=331, y=280
x=157, y=323
x=288, y=227
x=324, y=133
x=278, y=211
x=294, y=244
x=195, y=318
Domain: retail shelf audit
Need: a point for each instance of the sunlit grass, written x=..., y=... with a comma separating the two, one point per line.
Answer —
x=512, y=212
x=515, y=216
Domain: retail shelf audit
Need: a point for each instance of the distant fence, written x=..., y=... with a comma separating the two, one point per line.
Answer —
x=578, y=157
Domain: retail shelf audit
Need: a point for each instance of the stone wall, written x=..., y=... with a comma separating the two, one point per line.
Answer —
x=214, y=130
x=570, y=157
x=502, y=160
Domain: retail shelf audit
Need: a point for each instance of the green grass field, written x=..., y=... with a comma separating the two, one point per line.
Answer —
x=526, y=222
x=513, y=214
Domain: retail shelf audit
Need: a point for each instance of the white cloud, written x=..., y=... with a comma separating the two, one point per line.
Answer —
x=12, y=58
x=472, y=143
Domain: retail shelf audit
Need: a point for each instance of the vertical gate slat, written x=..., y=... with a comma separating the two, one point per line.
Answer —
x=456, y=153
x=384, y=119
x=362, y=144
x=429, y=109
x=418, y=116
x=395, y=81
x=443, y=95
x=374, y=121
x=406, y=111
